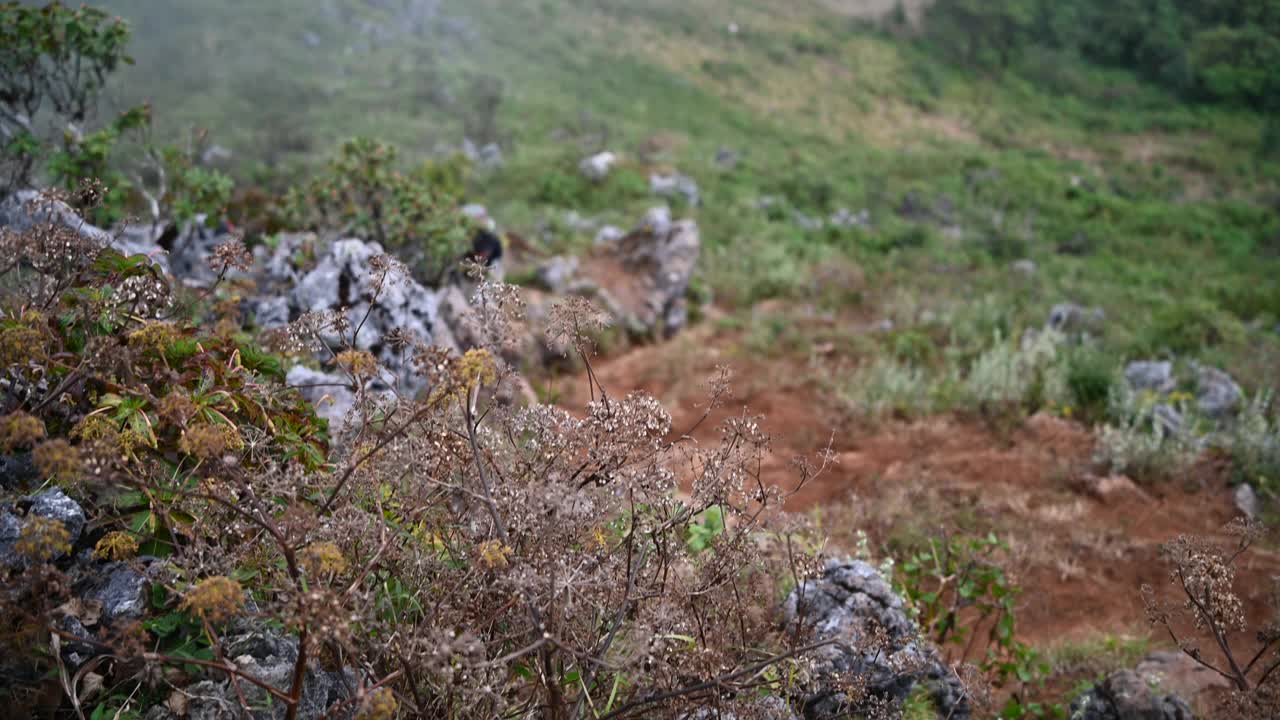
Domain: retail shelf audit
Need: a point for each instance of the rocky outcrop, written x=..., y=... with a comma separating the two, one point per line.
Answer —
x=1125, y=695
x=375, y=302
x=26, y=209
x=875, y=641
x=270, y=658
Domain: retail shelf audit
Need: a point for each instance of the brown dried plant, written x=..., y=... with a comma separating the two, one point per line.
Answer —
x=466, y=557
x=1203, y=573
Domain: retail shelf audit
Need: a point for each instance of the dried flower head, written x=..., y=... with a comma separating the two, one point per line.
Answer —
x=43, y=539
x=216, y=599
x=209, y=440
x=322, y=558
x=359, y=363
x=20, y=344
x=116, y=545
x=154, y=335
x=20, y=430
x=378, y=705
x=494, y=554
x=176, y=407
x=230, y=255
x=58, y=460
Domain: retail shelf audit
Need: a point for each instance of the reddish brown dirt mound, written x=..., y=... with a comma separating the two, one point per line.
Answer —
x=1084, y=545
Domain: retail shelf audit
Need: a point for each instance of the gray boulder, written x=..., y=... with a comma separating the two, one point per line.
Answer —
x=121, y=589
x=846, y=218
x=1070, y=318
x=345, y=280
x=610, y=234
x=658, y=268
x=52, y=504
x=675, y=185
x=191, y=251
x=17, y=471
x=596, y=167
x=1126, y=696
x=1247, y=502
x=852, y=604
x=1151, y=376
x=558, y=272
x=1217, y=394
x=330, y=394
x=55, y=505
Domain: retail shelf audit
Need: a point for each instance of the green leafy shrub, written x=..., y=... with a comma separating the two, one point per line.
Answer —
x=54, y=60
x=363, y=193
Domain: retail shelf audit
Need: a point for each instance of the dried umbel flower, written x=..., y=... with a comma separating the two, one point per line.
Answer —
x=359, y=363
x=43, y=539
x=20, y=344
x=176, y=407
x=378, y=705
x=230, y=255
x=154, y=335
x=20, y=430
x=322, y=559
x=117, y=545
x=216, y=599
x=494, y=554
x=1207, y=576
x=209, y=440
x=58, y=460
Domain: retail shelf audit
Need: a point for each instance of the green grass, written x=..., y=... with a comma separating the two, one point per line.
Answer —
x=1123, y=197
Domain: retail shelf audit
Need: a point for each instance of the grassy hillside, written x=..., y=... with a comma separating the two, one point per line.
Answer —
x=1122, y=196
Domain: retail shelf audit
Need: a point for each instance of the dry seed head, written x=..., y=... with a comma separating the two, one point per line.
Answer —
x=43, y=539
x=116, y=545
x=322, y=559
x=378, y=705
x=20, y=430
x=58, y=460
x=216, y=599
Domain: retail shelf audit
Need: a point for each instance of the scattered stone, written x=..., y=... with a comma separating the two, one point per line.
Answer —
x=675, y=185
x=52, y=504
x=1217, y=394
x=215, y=154
x=269, y=658
x=727, y=159
x=480, y=214
x=596, y=167
x=645, y=276
x=1151, y=376
x=656, y=220
x=1069, y=318
x=1114, y=486
x=55, y=505
x=1026, y=268
x=17, y=471
x=1168, y=419
x=311, y=40
x=610, y=235
x=558, y=272
x=121, y=590
x=1176, y=673
x=1125, y=695
x=845, y=218
x=488, y=156
x=1247, y=501
x=807, y=222
x=849, y=603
